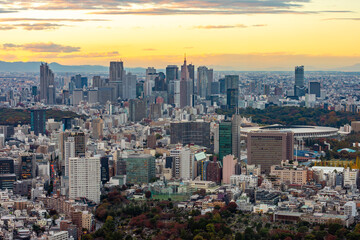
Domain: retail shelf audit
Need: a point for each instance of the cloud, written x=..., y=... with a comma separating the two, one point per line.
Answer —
x=349, y=19
x=79, y=55
x=149, y=49
x=227, y=26
x=47, y=20
x=6, y=27
x=39, y=26
x=42, y=47
x=259, y=25
x=167, y=11
x=221, y=26
x=166, y=7
x=31, y=26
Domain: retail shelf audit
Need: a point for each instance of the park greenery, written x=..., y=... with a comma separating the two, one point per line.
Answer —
x=14, y=117
x=153, y=219
x=294, y=116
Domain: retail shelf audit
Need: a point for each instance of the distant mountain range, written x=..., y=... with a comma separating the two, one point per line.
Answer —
x=59, y=68
x=353, y=68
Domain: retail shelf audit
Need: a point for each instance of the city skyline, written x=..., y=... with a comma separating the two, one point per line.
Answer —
x=225, y=35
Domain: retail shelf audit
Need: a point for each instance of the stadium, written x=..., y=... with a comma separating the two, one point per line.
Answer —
x=300, y=132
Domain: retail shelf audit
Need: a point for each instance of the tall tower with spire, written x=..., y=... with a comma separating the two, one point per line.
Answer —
x=184, y=84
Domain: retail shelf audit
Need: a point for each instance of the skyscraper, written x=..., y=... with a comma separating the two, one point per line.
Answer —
x=79, y=139
x=231, y=82
x=140, y=168
x=225, y=139
x=38, y=122
x=7, y=173
x=117, y=75
x=97, y=128
x=232, y=90
x=129, y=89
x=299, y=89
x=232, y=98
x=229, y=163
x=105, y=176
x=204, y=80
x=269, y=148
x=197, y=133
x=314, y=88
x=84, y=178
x=27, y=166
x=151, y=75
x=184, y=85
x=137, y=110
x=69, y=152
x=236, y=121
x=47, y=87
x=172, y=73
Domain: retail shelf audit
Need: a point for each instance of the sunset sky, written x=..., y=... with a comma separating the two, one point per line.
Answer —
x=224, y=34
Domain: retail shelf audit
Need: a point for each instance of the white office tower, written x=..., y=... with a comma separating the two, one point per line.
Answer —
x=129, y=86
x=84, y=178
x=150, y=80
x=186, y=164
x=177, y=93
x=69, y=152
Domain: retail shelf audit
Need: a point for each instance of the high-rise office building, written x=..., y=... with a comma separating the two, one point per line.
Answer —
x=186, y=164
x=214, y=171
x=172, y=73
x=106, y=94
x=84, y=178
x=97, y=82
x=231, y=82
x=67, y=123
x=236, y=121
x=140, y=89
x=151, y=75
x=7, y=173
x=69, y=152
x=38, y=122
x=116, y=78
x=314, y=88
x=137, y=110
x=105, y=176
x=140, y=168
x=79, y=139
x=47, y=87
x=204, y=81
x=222, y=86
x=7, y=130
x=129, y=86
x=225, y=139
x=269, y=148
x=77, y=97
x=197, y=133
x=160, y=82
x=187, y=84
x=183, y=85
x=229, y=163
x=97, y=128
x=6, y=166
x=299, y=87
x=27, y=166
x=191, y=85
x=232, y=98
